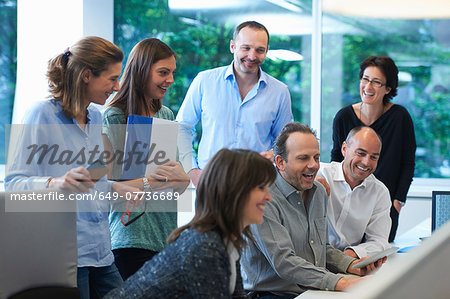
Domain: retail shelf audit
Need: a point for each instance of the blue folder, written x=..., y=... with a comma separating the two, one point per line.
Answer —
x=137, y=145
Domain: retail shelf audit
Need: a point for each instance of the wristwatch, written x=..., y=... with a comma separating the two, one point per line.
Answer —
x=402, y=203
x=147, y=187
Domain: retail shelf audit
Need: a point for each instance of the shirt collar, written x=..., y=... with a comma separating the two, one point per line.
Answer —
x=230, y=74
x=60, y=113
x=88, y=112
x=286, y=188
x=67, y=119
x=339, y=176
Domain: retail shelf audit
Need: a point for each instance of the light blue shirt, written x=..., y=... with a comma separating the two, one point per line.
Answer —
x=227, y=120
x=47, y=125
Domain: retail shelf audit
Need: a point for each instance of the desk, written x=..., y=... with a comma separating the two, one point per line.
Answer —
x=322, y=294
x=409, y=238
x=412, y=236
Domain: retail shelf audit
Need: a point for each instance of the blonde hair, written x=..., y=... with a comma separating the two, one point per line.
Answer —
x=65, y=71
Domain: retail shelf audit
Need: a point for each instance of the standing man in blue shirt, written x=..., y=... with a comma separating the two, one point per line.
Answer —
x=240, y=105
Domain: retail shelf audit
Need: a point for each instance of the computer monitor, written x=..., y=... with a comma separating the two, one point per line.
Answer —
x=420, y=273
x=440, y=210
x=37, y=248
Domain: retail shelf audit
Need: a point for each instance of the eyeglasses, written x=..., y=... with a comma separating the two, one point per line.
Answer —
x=375, y=83
x=125, y=219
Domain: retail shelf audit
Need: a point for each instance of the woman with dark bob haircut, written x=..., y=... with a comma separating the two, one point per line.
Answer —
x=378, y=85
x=202, y=259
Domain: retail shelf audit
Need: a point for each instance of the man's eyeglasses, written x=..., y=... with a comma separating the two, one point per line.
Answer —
x=130, y=205
x=375, y=83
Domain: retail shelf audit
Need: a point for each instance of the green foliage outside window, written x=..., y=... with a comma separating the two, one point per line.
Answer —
x=199, y=46
x=202, y=44
x=428, y=104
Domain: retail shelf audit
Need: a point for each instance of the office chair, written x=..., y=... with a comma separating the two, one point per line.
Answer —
x=38, y=252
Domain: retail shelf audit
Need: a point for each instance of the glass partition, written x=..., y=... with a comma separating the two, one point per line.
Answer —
x=200, y=31
x=421, y=50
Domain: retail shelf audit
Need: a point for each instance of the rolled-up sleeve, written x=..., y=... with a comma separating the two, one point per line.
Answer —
x=274, y=241
x=188, y=116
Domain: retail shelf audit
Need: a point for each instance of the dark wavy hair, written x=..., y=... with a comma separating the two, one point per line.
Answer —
x=389, y=70
x=223, y=191
x=130, y=98
x=65, y=71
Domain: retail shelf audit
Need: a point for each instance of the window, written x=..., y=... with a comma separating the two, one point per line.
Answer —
x=200, y=37
x=420, y=48
x=199, y=32
x=8, y=63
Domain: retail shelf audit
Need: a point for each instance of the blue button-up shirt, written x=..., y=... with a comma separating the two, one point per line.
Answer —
x=46, y=124
x=229, y=121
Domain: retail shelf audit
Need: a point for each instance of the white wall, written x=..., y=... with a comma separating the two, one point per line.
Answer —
x=416, y=210
x=46, y=28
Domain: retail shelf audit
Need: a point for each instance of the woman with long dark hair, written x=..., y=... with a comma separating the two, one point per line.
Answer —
x=202, y=259
x=147, y=76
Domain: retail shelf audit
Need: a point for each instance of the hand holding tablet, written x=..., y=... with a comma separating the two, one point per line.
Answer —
x=97, y=170
x=376, y=257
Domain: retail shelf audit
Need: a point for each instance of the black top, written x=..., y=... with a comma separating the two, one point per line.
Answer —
x=397, y=158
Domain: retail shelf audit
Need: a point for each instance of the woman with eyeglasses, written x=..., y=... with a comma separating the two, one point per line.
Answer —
x=202, y=258
x=70, y=128
x=137, y=235
x=378, y=85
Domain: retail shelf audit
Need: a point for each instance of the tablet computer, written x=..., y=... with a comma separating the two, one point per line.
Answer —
x=376, y=257
x=97, y=170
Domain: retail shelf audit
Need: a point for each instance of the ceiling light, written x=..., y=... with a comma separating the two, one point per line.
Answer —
x=286, y=55
x=205, y=4
x=286, y=4
x=389, y=9
x=404, y=77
